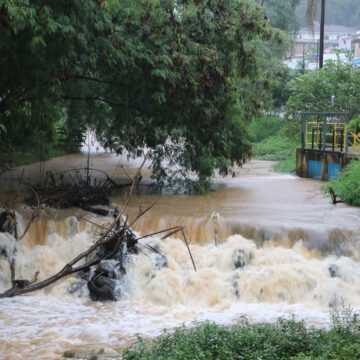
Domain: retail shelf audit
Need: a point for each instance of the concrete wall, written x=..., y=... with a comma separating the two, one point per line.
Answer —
x=303, y=156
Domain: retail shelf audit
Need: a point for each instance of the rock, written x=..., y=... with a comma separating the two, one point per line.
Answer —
x=108, y=267
x=334, y=271
x=236, y=289
x=240, y=258
x=7, y=223
x=69, y=354
x=160, y=261
x=131, y=242
x=78, y=287
x=102, y=289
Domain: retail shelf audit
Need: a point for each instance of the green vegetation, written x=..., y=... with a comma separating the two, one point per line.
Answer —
x=271, y=143
x=354, y=125
x=139, y=72
x=335, y=88
x=347, y=187
x=287, y=339
x=282, y=14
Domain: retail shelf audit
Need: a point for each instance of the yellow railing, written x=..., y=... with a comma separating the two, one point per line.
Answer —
x=354, y=142
x=337, y=133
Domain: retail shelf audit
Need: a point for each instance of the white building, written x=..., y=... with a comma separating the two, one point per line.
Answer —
x=306, y=38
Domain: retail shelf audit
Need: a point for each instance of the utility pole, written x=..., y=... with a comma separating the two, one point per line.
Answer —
x=322, y=30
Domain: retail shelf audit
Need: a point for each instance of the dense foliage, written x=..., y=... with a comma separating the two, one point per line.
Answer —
x=173, y=76
x=282, y=14
x=287, y=339
x=335, y=88
x=347, y=186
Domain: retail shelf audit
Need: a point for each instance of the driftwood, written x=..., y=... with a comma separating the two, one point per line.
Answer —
x=78, y=187
x=106, y=247
x=334, y=196
x=111, y=240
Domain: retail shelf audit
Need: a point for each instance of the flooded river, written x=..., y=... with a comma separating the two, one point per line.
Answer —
x=286, y=233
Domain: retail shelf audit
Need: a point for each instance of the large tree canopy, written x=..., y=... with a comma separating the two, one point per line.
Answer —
x=174, y=76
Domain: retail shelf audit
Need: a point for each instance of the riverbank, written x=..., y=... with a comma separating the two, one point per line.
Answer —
x=284, y=339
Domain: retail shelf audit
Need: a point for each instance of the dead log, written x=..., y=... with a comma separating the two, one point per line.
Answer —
x=334, y=197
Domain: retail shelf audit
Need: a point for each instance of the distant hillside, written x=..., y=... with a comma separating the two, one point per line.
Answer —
x=338, y=12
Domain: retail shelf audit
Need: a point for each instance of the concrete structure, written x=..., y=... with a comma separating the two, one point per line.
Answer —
x=327, y=146
x=321, y=165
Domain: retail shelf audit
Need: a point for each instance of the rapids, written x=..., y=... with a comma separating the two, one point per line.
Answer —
x=277, y=235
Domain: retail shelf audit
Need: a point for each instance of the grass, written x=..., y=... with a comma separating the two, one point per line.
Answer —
x=270, y=143
x=287, y=339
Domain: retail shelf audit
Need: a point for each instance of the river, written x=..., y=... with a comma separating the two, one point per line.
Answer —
x=287, y=233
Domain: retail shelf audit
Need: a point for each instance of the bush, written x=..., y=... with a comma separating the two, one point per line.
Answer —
x=347, y=187
x=287, y=339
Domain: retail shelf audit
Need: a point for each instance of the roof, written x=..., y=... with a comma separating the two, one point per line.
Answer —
x=330, y=29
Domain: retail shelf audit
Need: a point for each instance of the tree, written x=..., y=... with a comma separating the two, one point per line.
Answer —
x=338, y=12
x=282, y=14
x=335, y=88
x=166, y=75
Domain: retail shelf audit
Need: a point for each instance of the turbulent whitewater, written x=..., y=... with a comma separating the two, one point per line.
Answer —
x=264, y=267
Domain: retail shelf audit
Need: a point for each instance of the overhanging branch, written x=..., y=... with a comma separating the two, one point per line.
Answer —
x=91, y=98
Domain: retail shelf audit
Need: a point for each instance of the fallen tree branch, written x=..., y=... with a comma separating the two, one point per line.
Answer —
x=114, y=235
x=20, y=287
x=334, y=196
x=34, y=215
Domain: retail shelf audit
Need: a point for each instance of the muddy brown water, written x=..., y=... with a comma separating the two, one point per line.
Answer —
x=289, y=232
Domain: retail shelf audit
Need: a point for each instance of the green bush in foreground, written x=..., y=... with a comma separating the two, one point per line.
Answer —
x=347, y=186
x=287, y=339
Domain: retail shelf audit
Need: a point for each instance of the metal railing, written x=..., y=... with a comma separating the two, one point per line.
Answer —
x=329, y=132
x=354, y=142
x=334, y=139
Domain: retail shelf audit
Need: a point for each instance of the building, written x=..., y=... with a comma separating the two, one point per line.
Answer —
x=307, y=39
x=352, y=43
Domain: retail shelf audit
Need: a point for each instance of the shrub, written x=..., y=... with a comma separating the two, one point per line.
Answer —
x=287, y=339
x=347, y=186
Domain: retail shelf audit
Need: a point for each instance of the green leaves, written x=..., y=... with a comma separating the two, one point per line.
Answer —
x=144, y=73
x=2, y=129
x=286, y=339
x=335, y=88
